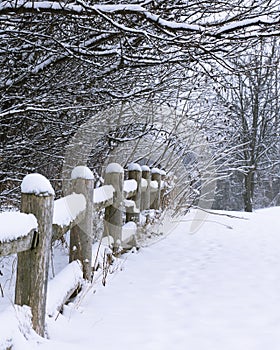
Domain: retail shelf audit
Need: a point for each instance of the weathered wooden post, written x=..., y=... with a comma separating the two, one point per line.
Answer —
x=156, y=176
x=81, y=235
x=163, y=188
x=145, y=195
x=33, y=265
x=135, y=173
x=113, y=221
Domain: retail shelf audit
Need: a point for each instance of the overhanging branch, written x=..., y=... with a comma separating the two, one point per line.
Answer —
x=211, y=28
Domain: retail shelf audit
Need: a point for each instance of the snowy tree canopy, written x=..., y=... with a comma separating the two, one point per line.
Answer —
x=63, y=61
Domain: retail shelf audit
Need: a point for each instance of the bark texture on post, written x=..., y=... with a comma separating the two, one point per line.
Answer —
x=155, y=201
x=33, y=265
x=113, y=221
x=163, y=201
x=81, y=235
x=135, y=173
x=145, y=195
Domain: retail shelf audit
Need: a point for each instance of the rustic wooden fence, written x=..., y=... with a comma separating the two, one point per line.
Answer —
x=43, y=220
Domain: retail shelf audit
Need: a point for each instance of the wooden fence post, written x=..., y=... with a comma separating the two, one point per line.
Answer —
x=33, y=265
x=163, y=201
x=156, y=176
x=135, y=173
x=145, y=195
x=81, y=235
x=113, y=221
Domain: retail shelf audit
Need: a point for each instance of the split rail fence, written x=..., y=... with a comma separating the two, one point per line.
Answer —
x=43, y=220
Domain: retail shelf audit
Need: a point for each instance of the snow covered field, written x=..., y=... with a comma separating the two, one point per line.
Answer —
x=216, y=289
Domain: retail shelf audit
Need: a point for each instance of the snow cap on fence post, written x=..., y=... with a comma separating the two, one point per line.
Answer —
x=81, y=235
x=134, y=167
x=114, y=168
x=33, y=265
x=36, y=184
x=82, y=172
x=114, y=175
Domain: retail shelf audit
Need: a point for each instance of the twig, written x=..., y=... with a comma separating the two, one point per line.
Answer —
x=2, y=291
x=213, y=221
x=220, y=214
x=96, y=257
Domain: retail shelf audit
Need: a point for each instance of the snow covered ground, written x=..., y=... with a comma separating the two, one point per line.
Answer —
x=216, y=289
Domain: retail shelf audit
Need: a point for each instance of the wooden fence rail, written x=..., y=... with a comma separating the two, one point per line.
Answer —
x=42, y=220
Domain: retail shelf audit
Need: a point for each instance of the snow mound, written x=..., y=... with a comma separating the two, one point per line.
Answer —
x=37, y=184
x=129, y=230
x=16, y=328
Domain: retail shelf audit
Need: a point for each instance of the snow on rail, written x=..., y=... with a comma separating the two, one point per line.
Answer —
x=154, y=185
x=103, y=194
x=129, y=187
x=15, y=225
x=130, y=206
x=144, y=184
x=67, y=209
x=63, y=285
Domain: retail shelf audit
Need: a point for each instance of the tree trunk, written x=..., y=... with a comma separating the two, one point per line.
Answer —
x=248, y=191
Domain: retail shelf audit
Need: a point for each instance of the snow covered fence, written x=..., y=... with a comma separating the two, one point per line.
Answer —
x=140, y=191
x=29, y=234
x=42, y=220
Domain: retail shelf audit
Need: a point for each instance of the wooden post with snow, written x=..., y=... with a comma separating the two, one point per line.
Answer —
x=156, y=176
x=33, y=265
x=81, y=235
x=135, y=173
x=145, y=195
x=114, y=175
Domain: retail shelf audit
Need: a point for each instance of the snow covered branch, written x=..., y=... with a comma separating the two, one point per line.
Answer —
x=81, y=8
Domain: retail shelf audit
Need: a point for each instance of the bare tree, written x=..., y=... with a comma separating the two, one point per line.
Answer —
x=62, y=61
x=252, y=103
